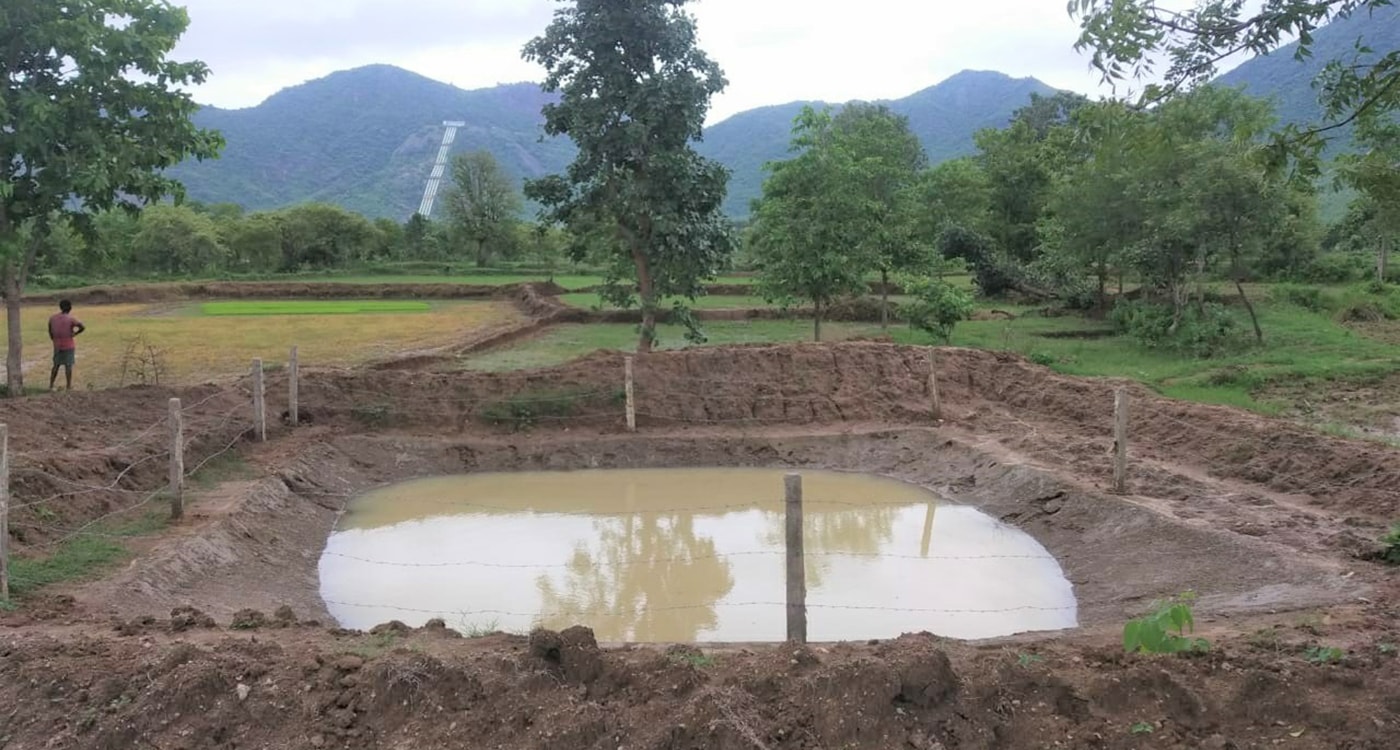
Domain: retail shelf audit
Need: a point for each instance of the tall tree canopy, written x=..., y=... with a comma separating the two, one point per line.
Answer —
x=1129, y=37
x=482, y=204
x=90, y=114
x=635, y=90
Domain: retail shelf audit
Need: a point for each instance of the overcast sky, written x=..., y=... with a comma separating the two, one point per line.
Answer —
x=772, y=51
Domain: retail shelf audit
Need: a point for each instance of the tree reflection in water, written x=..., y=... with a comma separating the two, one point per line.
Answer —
x=647, y=576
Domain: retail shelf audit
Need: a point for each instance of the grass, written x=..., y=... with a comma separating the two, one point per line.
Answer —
x=312, y=307
x=1299, y=345
x=193, y=347
x=568, y=281
x=85, y=555
x=566, y=342
x=592, y=301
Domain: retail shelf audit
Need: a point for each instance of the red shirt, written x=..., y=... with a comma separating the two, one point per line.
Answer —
x=61, y=331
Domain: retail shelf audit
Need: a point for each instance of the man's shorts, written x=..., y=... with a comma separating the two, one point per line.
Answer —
x=64, y=357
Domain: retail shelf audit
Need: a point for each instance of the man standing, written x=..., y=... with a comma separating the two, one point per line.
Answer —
x=63, y=328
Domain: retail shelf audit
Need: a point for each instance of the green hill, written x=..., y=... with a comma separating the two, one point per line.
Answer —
x=944, y=117
x=1288, y=82
x=366, y=138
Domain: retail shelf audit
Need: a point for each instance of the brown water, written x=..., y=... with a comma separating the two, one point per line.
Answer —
x=684, y=555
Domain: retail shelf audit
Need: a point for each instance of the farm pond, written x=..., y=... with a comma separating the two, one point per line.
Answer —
x=684, y=555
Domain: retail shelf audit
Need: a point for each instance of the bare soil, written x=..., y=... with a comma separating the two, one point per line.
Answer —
x=1274, y=524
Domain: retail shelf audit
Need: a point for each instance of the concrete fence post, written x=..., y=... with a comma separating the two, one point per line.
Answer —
x=293, y=415
x=1120, y=441
x=796, y=562
x=259, y=402
x=4, y=512
x=628, y=393
x=933, y=385
x=177, y=460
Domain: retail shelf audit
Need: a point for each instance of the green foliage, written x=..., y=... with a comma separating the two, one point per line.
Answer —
x=1391, y=543
x=1324, y=655
x=807, y=231
x=848, y=203
x=79, y=132
x=1307, y=297
x=1140, y=728
x=1127, y=36
x=1165, y=630
x=1200, y=331
x=993, y=274
x=936, y=306
x=634, y=109
x=482, y=204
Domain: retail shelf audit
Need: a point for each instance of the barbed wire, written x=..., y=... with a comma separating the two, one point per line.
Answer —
x=682, y=559
x=683, y=607
x=810, y=504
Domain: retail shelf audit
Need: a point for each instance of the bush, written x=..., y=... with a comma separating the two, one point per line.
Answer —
x=937, y=307
x=1369, y=302
x=1307, y=297
x=1391, y=542
x=1202, y=332
x=1336, y=268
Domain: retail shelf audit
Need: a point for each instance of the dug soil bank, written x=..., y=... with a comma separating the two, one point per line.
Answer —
x=1273, y=525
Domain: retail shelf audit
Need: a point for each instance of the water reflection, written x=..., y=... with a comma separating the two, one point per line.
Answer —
x=681, y=555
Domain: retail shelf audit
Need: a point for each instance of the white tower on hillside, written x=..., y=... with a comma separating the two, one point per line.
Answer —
x=439, y=167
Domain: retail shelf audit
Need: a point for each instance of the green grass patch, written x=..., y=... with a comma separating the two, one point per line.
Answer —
x=594, y=301
x=566, y=342
x=312, y=307
x=86, y=555
x=1298, y=344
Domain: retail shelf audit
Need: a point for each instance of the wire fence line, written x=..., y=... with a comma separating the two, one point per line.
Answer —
x=37, y=499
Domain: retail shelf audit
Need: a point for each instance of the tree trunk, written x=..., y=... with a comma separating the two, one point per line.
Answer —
x=1258, y=332
x=14, y=354
x=480, y=253
x=884, y=299
x=817, y=322
x=1382, y=258
x=647, y=291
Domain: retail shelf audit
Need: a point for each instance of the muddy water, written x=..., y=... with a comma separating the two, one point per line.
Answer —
x=684, y=555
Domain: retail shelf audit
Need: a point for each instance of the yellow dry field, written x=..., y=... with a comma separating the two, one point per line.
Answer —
x=125, y=343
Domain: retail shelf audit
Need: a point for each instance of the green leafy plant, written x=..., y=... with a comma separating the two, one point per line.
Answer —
x=1141, y=727
x=1324, y=655
x=1165, y=630
x=1025, y=660
x=937, y=306
x=1391, y=540
x=1389, y=649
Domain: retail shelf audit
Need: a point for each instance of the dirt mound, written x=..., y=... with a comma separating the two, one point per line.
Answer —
x=205, y=290
x=314, y=689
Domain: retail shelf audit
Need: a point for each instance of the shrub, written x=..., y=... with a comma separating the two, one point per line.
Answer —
x=937, y=307
x=1307, y=297
x=1165, y=629
x=1336, y=268
x=1199, y=332
x=1391, y=541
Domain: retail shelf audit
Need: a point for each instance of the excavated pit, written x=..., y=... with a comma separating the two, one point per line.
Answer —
x=1117, y=554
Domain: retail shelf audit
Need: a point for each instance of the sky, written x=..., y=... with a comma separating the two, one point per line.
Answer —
x=772, y=51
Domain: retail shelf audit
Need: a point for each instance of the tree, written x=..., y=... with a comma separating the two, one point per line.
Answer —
x=320, y=235
x=954, y=193
x=635, y=90
x=1128, y=36
x=885, y=160
x=482, y=204
x=1375, y=173
x=176, y=241
x=254, y=243
x=91, y=114
x=808, y=229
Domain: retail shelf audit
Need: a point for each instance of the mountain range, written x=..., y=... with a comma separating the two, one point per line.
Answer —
x=366, y=139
